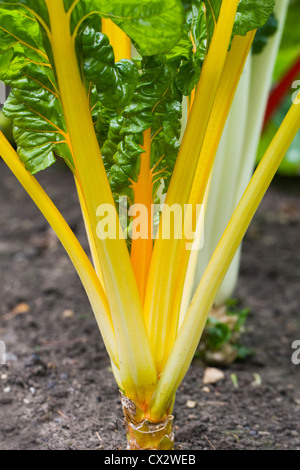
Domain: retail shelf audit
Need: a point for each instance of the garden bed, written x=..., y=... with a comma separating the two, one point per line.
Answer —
x=57, y=390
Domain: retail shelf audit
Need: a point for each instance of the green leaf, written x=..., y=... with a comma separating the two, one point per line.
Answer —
x=155, y=26
x=115, y=83
x=38, y=119
x=33, y=104
x=217, y=335
x=20, y=34
x=190, y=51
x=252, y=14
x=31, y=7
x=156, y=103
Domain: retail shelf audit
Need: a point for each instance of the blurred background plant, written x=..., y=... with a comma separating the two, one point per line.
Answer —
x=221, y=344
x=286, y=81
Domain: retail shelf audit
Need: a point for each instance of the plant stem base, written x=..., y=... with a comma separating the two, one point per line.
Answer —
x=142, y=433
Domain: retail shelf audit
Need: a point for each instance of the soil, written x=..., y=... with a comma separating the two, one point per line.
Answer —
x=57, y=390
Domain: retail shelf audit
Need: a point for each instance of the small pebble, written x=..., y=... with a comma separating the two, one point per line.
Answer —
x=191, y=404
x=212, y=375
x=68, y=314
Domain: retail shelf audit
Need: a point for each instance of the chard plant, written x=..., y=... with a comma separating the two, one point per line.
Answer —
x=76, y=94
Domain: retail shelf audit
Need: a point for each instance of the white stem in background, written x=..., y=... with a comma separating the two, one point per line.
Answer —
x=236, y=155
x=226, y=198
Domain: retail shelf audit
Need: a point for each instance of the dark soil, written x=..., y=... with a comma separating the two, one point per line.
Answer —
x=57, y=390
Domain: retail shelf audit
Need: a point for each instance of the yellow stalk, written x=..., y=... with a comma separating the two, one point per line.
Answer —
x=141, y=248
x=186, y=294
x=231, y=75
x=118, y=39
x=165, y=259
x=75, y=251
x=89, y=233
x=194, y=323
x=234, y=65
x=207, y=87
x=191, y=100
x=137, y=370
x=87, y=223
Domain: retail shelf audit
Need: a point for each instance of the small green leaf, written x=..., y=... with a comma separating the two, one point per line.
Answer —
x=217, y=335
x=252, y=14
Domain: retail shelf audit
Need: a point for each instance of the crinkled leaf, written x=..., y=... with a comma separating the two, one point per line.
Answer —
x=156, y=104
x=252, y=14
x=39, y=126
x=34, y=105
x=190, y=51
x=201, y=19
x=20, y=34
x=115, y=83
x=146, y=22
x=37, y=7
